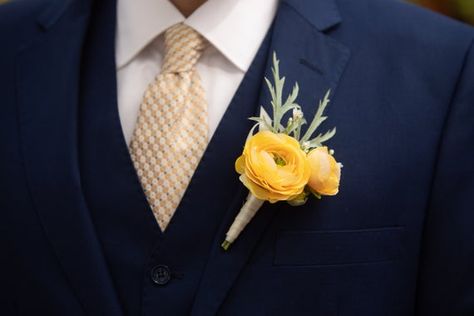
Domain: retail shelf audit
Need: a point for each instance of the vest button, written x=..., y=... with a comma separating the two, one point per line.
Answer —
x=160, y=274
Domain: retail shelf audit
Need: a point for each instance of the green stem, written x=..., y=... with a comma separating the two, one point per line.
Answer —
x=226, y=244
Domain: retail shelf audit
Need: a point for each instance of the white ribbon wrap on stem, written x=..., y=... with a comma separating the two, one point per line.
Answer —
x=247, y=212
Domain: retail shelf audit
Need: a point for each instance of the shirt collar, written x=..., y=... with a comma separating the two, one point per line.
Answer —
x=235, y=27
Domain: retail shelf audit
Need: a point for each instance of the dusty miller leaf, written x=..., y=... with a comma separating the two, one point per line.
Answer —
x=318, y=118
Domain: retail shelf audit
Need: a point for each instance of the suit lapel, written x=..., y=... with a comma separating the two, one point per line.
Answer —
x=316, y=61
x=48, y=95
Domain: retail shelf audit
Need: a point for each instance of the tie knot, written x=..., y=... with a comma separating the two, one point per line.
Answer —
x=183, y=47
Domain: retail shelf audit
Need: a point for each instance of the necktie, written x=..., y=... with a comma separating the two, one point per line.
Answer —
x=170, y=135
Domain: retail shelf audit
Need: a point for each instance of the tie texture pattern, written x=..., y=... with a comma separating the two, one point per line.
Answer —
x=171, y=133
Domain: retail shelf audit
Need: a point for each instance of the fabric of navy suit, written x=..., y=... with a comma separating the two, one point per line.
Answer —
x=77, y=236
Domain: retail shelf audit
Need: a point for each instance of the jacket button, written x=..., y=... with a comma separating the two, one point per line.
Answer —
x=160, y=274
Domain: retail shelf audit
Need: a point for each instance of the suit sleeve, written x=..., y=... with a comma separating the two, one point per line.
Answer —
x=446, y=270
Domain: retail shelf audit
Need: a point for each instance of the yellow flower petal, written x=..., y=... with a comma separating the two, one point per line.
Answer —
x=240, y=165
x=273, y=166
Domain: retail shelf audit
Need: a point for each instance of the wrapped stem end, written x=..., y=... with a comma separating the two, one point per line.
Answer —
x=247, y=212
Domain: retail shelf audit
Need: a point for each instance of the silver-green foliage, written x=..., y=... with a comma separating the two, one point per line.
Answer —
x=297, y=120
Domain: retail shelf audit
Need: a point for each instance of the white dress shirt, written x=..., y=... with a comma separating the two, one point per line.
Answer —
x=235, y=29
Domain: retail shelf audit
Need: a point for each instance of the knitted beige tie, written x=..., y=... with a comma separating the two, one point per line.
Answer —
x=171, y=132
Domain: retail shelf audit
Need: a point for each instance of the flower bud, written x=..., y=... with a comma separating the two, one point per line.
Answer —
x=325, y=172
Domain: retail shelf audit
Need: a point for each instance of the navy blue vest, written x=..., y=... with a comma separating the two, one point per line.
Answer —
x=131, y=239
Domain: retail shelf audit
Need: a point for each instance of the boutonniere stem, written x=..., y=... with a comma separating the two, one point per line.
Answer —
x=280, y=162
x=247, y=212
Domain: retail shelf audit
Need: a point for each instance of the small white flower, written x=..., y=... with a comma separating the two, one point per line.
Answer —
x=305, y=146
x=297, y=114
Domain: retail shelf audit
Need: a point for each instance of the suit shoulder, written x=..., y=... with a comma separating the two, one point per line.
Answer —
x=405, y=23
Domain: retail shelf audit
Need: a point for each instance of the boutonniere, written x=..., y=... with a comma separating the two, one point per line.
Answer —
x=278, y=162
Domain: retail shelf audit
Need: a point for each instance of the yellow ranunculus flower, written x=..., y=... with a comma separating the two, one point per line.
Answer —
x=273, y=167
x=325, y=172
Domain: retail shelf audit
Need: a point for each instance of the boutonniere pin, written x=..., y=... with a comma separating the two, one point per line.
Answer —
x=278, y=162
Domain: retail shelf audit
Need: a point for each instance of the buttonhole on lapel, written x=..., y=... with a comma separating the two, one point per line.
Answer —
x=311, y=66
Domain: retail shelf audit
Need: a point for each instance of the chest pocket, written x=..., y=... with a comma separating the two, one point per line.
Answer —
x=338, y=247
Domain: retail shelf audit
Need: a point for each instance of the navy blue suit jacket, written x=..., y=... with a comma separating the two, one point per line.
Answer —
x=397, y=240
